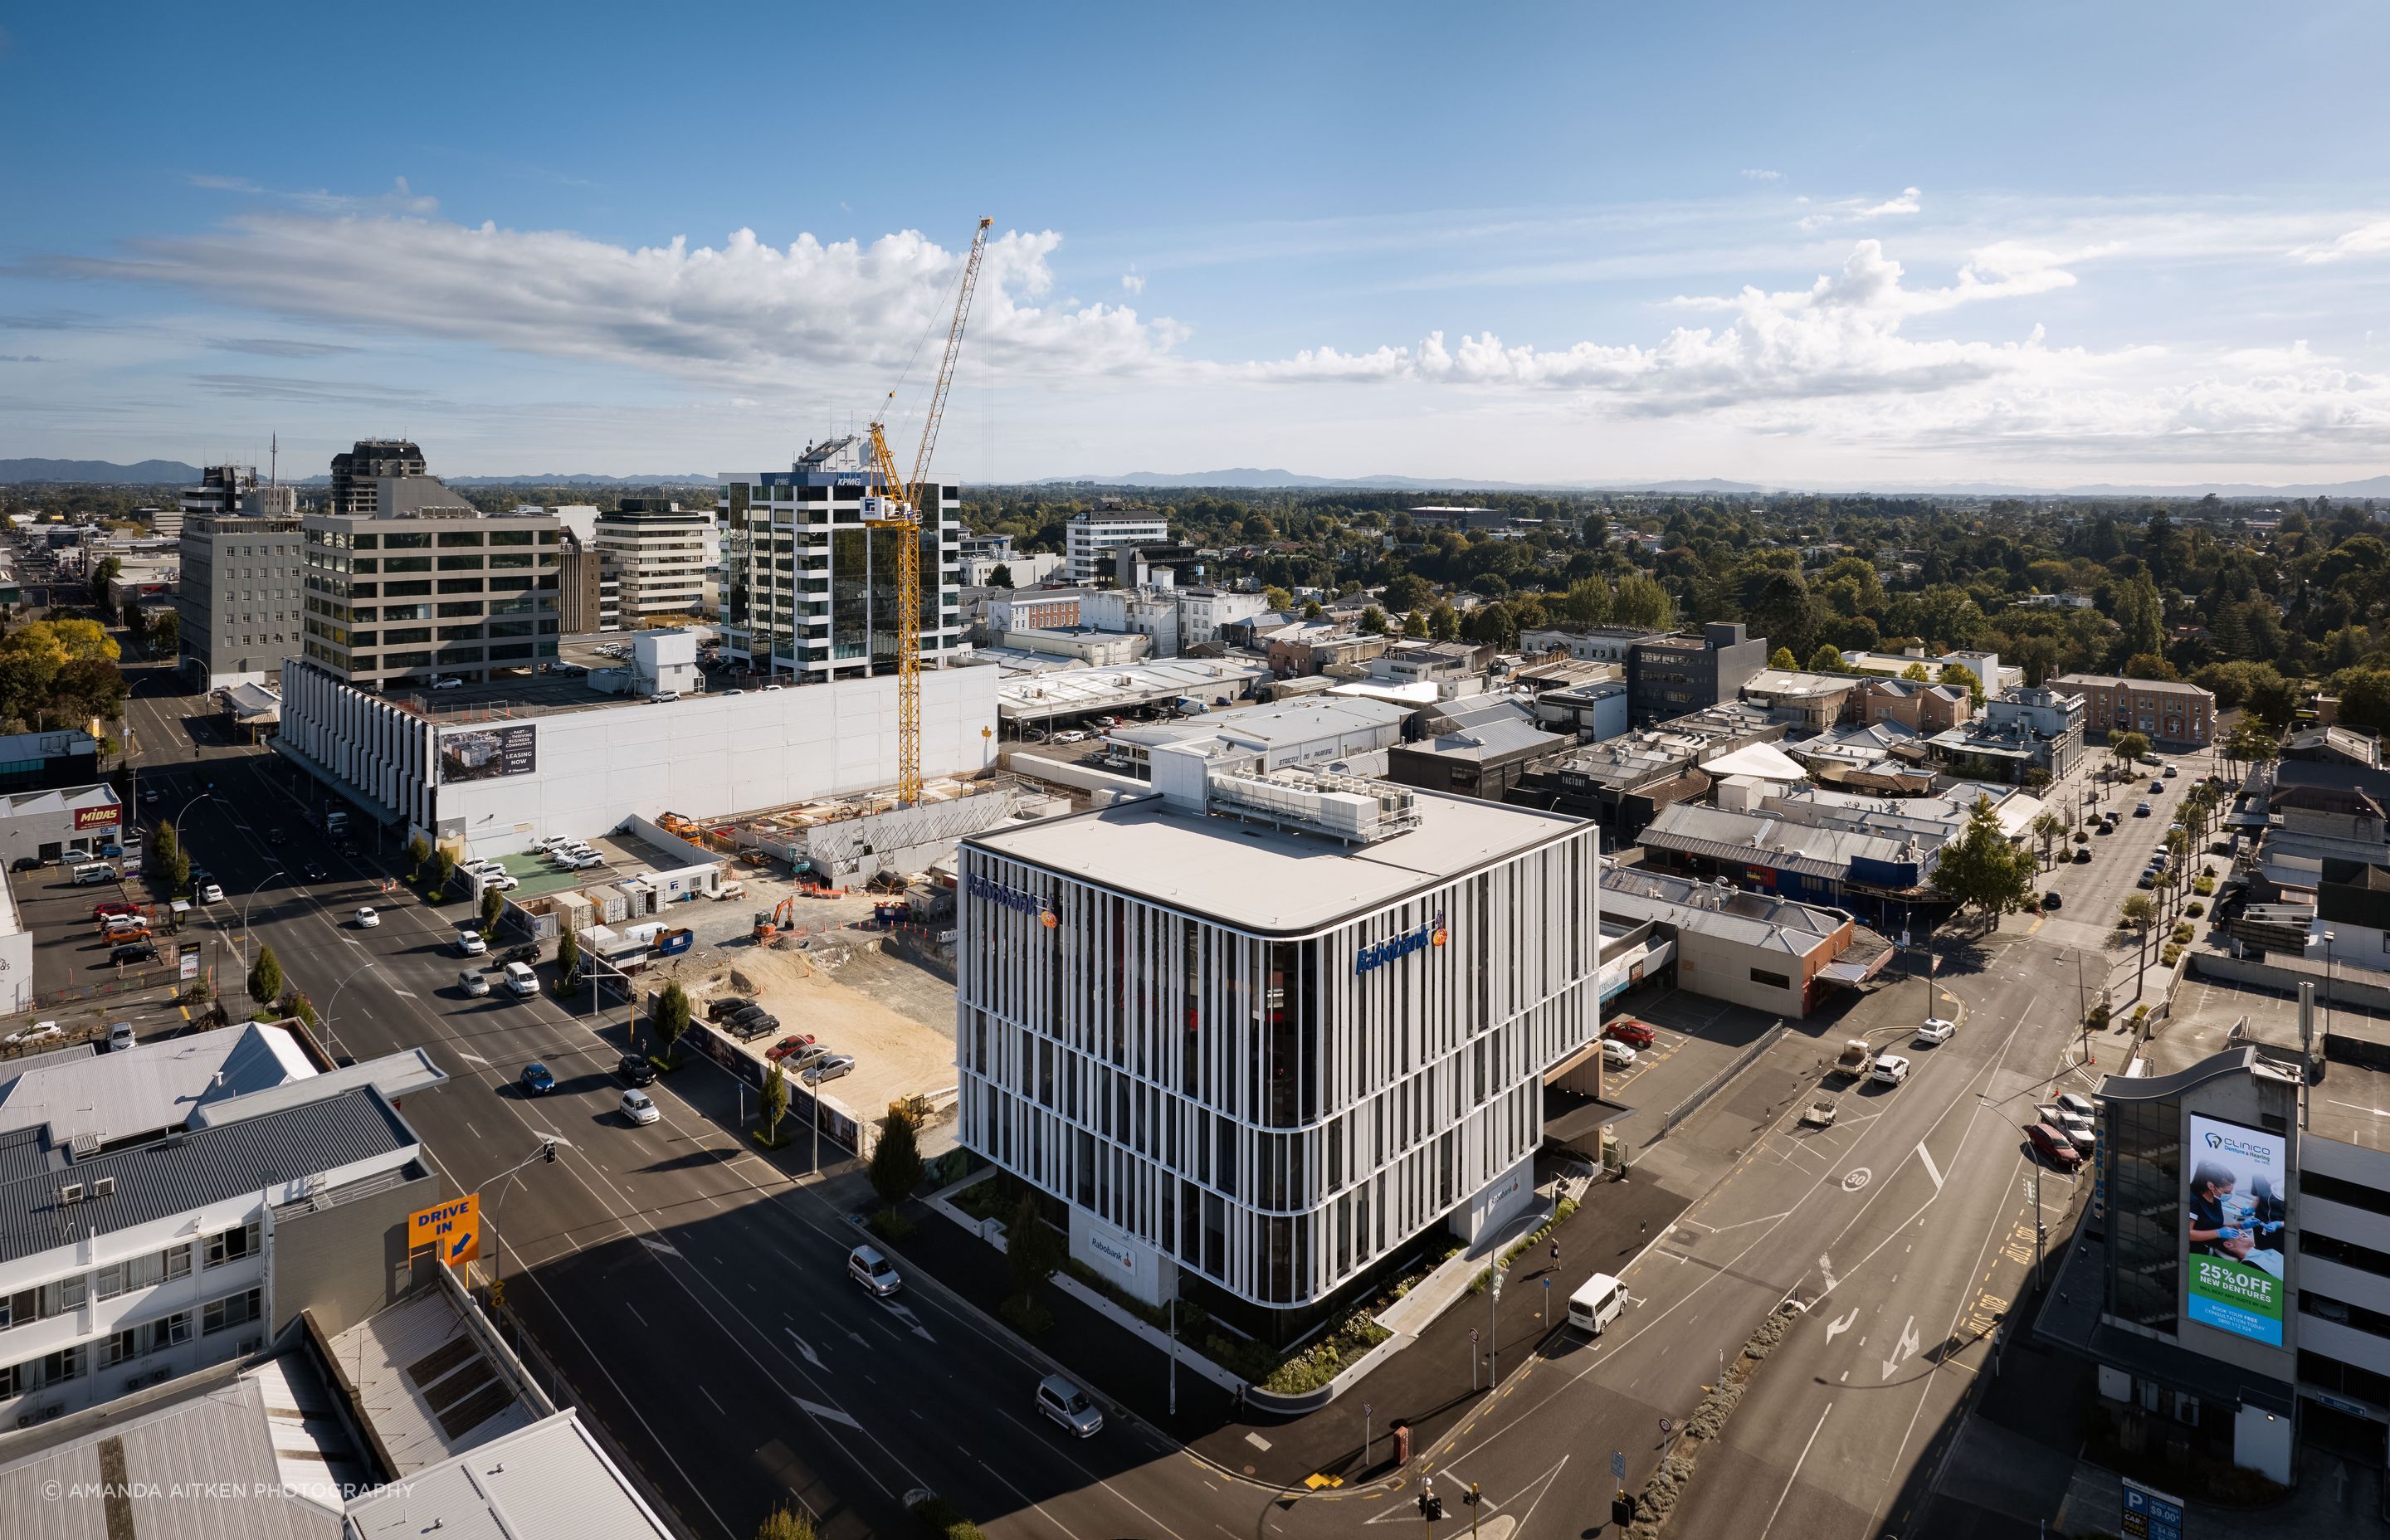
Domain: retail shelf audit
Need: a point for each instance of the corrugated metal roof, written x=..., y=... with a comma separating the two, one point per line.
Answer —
x=183, y=1171
x=201, y=1468
x=546, y=1482
x=412, y=1368
x=147, y=1089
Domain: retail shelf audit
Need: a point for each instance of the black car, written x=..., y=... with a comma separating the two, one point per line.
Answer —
x=527, y=953
x=316, y=872
x=636, y=1069
x=277, y=837
x=726, y=1007
x=749, y=1028
x=132, y=952
x=26, y=863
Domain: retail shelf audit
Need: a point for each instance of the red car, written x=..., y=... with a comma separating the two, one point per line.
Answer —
x=2052, y=1144
x=1634, y=1035
x=100, y=912
x=788, y=1045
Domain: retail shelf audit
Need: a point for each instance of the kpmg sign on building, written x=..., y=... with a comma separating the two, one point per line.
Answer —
x=1373, y=957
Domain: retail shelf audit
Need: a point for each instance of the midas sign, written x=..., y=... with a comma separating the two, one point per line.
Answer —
x=455, y=1227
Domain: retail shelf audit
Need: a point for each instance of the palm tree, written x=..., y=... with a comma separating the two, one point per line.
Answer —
x=2050, y=829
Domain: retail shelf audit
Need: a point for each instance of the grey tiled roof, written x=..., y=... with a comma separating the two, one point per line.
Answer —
x=186, y=1171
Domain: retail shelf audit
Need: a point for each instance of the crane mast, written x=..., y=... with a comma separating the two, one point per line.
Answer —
x=900, y=513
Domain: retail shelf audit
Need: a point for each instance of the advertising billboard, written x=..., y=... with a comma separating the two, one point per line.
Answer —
x=2233, y=1212
x=485, y=753
x=107, y=816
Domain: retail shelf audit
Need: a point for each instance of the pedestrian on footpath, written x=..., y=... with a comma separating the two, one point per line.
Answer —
x=1556, y=1256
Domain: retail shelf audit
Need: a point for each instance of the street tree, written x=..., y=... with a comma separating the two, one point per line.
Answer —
x=776, y=1102
x=1029, y=1251
x=2127, y=750
x=781, y=1524
x=418, y=850
x=568, y=956
x=266, y=977
x=1827, y=658
x=672, y=1015
x=443, y=871
x=493, y=903
x=1000, y=575
x=1415, y=626
x=1373, y=622
x=895, y=1160
x=2050, y=829
x=1782, y=659
x=1980, y=867
x=2137, y=913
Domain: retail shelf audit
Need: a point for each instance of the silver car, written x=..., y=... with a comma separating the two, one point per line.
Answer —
x=1070, y=1407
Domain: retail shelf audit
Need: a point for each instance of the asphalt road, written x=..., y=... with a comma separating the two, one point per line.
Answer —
x=695, y=1296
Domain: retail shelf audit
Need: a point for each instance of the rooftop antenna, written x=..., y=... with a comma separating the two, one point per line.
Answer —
x=275, y=464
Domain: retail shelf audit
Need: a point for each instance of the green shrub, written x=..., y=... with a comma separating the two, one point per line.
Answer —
x=2194, y=908
x=1026, y=1316
x=2203, y=886
x=938, y=1519
x=890, y=1225
x=2168, y=954
x=1328, y=1356
x=983, y=1200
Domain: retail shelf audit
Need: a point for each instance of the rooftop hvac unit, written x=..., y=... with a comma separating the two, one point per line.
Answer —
x=71, y=1193
x=104, y=1188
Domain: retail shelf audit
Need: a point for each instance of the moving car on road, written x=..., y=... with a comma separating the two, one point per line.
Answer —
x=522, y=980
x=473, y=982
x=537, y=1081
x=316, y=872
x=1937, y=1031
x=637, y=1069
x=875, y=1272
x=211, y=893
x=470, y=944
x=1891, y=1069
x=2141, y=810
x=639, y=1108
x=1069, y=1406
x=366, y=919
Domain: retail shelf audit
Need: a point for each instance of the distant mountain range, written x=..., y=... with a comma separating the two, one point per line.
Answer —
x=1249, y=479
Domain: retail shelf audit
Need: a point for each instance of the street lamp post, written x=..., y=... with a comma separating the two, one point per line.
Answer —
x=329, y=1035
x=813, y=1094
x=2327, y=937
x=244, y=912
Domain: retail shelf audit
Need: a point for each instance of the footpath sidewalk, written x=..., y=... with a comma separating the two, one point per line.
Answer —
x=1426, y=1385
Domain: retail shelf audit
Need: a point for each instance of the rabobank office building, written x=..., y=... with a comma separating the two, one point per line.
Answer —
x=1251, y=1036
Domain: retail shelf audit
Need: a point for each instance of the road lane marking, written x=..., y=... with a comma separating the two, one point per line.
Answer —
x=1107, y=1487
x=1905, y=1347
x=1795, y=1476
x=1836, y=1328
x=804, y=1348
x=820, y=1413
x=710, y=1402
x=1930, y=1169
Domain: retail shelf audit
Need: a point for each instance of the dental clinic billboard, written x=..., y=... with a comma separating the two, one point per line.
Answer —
x=2233, y=1212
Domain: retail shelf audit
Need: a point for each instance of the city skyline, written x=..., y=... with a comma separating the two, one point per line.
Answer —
x=2042, y=248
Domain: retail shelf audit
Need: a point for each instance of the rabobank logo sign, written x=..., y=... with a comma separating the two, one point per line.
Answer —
x=1371, y=959
x=1020, y=899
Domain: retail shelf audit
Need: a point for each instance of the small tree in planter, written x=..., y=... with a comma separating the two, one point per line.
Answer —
x=567, y=960
x=1031, y=1254
x=672, y=1020
x=493, y=903
x=896, y=1167
x=418, y=852
x=775, y=1103
x=266, y=977
x=443, y=868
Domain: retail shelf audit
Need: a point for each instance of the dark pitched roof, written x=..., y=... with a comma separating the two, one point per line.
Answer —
x=183, y=1171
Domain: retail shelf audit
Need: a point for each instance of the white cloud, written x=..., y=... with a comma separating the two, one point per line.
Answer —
x=1908, y=202
x=1762, y=176
x=1133, y=282
x=2366, y=240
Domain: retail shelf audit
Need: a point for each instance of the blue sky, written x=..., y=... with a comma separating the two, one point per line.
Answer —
x=2041, y=243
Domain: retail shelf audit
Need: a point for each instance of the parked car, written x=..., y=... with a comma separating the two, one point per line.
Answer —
x=2053, y=1146
x=2052, y=900
x=1634, y=1035
x=120, y=1036
x=639, y=1108
x=1937, y=1031
x=1820, y=1112
x=470, y=944
x=26, y=863
x=2083, y=857
x=2142, y=811
x=366, y=919
x=115, y=906
x=132, y=952
x=1891, y=1069
x=2077, y=1130
x=1073, y=736
x=1616, y=1055
x=211, y=893
x=637, y=1069
x=2078, y=1104
x=500, y=882
x=277, y=836
x=2157, y=785
x=831, y=1068
x=875, y=1272
x=1069, y=1406
x=537, y=1081
x=447, y=682
x=472, y=980
x=723, y=1006
x=2149, y=879
x=790, y=1045
x=2171, y=771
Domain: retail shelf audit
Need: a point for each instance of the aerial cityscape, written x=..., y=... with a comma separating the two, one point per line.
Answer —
x=1166, y=775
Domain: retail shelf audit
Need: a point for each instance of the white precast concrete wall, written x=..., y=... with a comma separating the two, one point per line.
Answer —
x=717, y=754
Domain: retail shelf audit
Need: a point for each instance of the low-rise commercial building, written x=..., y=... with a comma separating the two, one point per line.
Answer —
x=1487, y=761
x=1671, y=675
x=45, y=826
x=1922, y=708
x=1804, y=703
x=436, y=589
x=2171, y=714
x=1316, y=647
x=1251, y=1038
x=659, y=554
x=1094, y=536
x=2019, y=731
x=1757, y=949
x=1598, y=644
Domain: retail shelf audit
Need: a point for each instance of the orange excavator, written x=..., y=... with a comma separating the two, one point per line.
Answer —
x=782, y=917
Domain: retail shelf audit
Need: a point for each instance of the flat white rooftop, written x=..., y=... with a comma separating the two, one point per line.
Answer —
x=1263, y=879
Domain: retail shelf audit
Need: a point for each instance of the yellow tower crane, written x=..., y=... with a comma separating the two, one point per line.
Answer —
x=900, y=513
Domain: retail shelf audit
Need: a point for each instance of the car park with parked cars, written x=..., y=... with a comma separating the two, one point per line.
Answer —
x=2052, y=1144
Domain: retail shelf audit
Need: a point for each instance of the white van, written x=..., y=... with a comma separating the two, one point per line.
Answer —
x=97, y=871
x=522, y=980
x=1598, y=1301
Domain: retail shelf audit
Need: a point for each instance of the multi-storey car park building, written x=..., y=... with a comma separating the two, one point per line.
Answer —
x=1252, y=1037
x=810, y=590
x=438, y=590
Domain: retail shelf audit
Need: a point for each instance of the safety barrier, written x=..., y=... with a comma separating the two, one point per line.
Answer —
x=1716, y=1082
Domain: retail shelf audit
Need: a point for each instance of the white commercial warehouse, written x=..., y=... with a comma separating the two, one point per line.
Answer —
x=495, y=783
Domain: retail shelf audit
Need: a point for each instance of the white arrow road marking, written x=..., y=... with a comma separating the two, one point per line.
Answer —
x=1902, y=1349
x=652, y=1244
x=1930, y=1170
x=858, y=1337
x=1836, y=1328
x=913, y=1321
x=826, y=1414
x=471, y=1058
x=804, y=1348
x=1826, y=1265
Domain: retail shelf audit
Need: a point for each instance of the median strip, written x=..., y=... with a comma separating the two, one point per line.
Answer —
x=1668, y=1486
